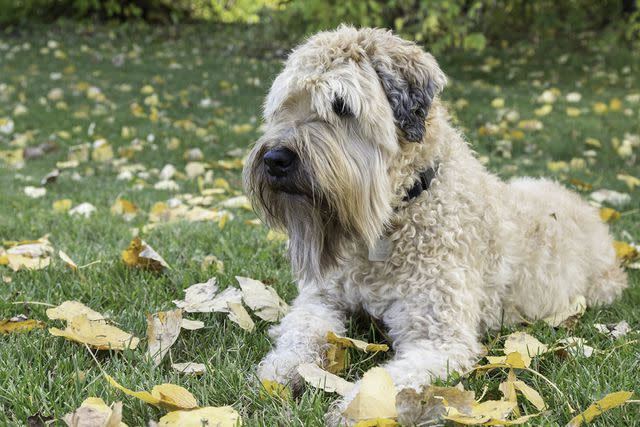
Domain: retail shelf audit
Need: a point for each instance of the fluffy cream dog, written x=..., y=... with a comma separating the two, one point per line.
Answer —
x=388, y=211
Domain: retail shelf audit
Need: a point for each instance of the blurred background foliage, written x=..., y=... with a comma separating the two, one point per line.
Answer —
x=439, y=24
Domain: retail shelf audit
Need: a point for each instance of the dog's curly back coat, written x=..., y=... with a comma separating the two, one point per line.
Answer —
x=468, y=254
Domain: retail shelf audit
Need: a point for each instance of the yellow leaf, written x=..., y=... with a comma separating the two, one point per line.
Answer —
x=124, y=208
x=93, y=412
x=139, y=254
x=62, y=205
x=354, y=343
x=615, y=104
x=67, y=260
x=238, y=314
x=524, y=344
x=482, y=413
x=263, y=300
x=189, y=368
x=163, y=329
x=612, y=400
x=429, y=405
x=70, y=309
x=593, y=142
x=600, y=108
x=96, y=334
x=544, y=110
x=376, y=397
x=573, y=111
x=168, y=396
x=497, y=103
x=319, y=378
x=102, y=151
x=336, y=358
x=531, y=395
x=277, y=236
x=19, y=325
x=223, y=416
x=625, y=251
x=377, y=422
x=558, y=166
x=275, y=389
x=511, y=360
x=631, y=181
x=609, y=215
x=24, y=262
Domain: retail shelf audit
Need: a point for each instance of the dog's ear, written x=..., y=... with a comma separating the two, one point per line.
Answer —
x=410, y=77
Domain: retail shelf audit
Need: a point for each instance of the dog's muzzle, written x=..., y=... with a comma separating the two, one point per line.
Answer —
x=281, y=165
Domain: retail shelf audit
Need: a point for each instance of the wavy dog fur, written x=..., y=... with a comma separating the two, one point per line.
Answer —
x=360, y=108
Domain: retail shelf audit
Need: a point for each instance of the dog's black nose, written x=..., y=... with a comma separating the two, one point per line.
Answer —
x=280, y=161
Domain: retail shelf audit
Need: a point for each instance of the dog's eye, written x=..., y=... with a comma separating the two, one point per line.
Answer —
x=340, y=108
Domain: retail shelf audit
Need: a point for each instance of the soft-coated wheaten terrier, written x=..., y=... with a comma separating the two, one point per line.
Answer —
x=388, y=211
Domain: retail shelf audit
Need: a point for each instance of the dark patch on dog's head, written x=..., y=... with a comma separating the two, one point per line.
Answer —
x=410, y=103
x=341, y=108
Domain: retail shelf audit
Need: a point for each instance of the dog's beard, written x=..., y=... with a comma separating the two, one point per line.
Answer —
x=338, y=196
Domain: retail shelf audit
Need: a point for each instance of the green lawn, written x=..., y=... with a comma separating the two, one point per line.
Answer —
x=42, y=374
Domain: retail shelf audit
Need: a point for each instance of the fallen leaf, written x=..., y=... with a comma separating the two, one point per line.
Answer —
x=67, y=260
x=262, y=299
x=93, y=412
x=429, y=406
x=70, y=309
x=83, y=209
x=35, y=192
x=163, y=329
x=335, y=358
x=167, y=396
x=610, y=401
x=204, y=298
x=96, y=334
x=614, y=330
x=609, y=215
x=631, y=181
x=192, y=325
x=223, y=416
x=125, y=208
x=491, y=412
x=568, y=317
x=319, y=378
x=531, y=395
x=376, y=397
x=275, y=389
x=189, y=368
x=239, y=315
x=576, y=346
x=25, y=262
x=237, y=202
x=62, y=205
x=377, y=422
x=19, y=324
x=139, y=254
x=354, y=343
x=610, y=196
x=625, y=251
x=524, y=344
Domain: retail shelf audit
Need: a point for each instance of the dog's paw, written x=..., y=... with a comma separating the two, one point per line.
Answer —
x=282, y=367
x=335, y=415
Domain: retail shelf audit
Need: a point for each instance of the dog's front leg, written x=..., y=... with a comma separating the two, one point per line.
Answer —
x=300, y=337
x=430, y=342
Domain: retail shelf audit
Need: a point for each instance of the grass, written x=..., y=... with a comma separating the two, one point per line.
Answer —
x=42, y=374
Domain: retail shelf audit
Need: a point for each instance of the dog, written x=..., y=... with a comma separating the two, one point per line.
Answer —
x=388, y=211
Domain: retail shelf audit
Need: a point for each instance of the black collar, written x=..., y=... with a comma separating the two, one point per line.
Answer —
x=422, y=184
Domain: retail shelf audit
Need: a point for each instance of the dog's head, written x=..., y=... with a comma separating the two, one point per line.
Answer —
x=336, y=118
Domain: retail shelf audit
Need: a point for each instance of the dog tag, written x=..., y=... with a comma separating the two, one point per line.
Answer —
x=381, y=250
